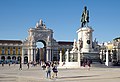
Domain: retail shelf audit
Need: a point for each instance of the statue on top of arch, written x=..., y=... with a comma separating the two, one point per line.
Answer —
x=40, y=24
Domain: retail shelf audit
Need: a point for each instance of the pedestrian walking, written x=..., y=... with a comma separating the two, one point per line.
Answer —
x=44, y=66
x=88, y=63
x=48, y=71
x=55, y=71
x=2, y=64
x=9, y=64
x=20, y=68
x=28, y=65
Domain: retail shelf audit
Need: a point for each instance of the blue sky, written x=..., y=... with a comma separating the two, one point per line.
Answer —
x=62, y=16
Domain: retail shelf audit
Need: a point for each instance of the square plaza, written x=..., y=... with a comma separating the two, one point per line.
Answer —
x=98, y=73
x=88, y=58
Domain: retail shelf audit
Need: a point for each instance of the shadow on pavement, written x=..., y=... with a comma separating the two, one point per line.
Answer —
x=77, y=76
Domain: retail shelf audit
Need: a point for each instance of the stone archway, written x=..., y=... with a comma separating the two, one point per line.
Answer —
x=44, y=35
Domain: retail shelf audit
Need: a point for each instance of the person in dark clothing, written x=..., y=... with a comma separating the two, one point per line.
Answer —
x=2, y=64
x=9, y=64
x=88, y=63
x=28, y=65
x=55, y=71
x=20, y=66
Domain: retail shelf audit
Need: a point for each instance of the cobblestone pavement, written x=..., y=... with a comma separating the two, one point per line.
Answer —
x=36, y=74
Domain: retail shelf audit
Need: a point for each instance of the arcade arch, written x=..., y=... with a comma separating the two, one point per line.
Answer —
x=25, y=59
x=19, y=59
x=3, y=58
x=13, y=58
x=8, y=58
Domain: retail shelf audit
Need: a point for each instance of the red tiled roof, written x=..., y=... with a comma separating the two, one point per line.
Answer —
x=11, y=41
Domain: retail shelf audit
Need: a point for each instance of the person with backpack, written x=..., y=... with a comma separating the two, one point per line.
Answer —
x=55, y=71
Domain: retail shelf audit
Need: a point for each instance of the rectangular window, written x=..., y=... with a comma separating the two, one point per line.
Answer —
x=19, y=51
x=25, y=52
x=3, y=51
x=8, y=51
x=13, y=51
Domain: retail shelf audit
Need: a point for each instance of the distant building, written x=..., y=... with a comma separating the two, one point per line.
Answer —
x=63, y=46
x=10, y=51
x=113, y=49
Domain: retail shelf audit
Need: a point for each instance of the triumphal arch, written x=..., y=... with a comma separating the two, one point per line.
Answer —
x=39, y=34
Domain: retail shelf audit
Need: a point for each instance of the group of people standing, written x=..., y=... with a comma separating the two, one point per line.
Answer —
x=51, y=70
x=87, y=62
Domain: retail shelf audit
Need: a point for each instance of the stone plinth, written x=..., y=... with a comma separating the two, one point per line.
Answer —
x=85, y=34
x=94, y=56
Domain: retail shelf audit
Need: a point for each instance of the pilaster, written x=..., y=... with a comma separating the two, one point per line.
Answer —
x=67, y=55
x=60, y=56
x=23, y=55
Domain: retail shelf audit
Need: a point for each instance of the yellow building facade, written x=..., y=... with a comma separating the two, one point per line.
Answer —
x=10, y=51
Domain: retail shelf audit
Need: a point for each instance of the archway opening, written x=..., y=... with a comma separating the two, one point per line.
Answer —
x=19, y=59
x=9, y=58
x=3, y=58
x=40, y=50
x=14, y=59
x=25, y=59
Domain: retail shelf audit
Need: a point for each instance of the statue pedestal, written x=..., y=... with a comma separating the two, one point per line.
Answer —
x=85, y=34
x=72, y=60
x=94, y=56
